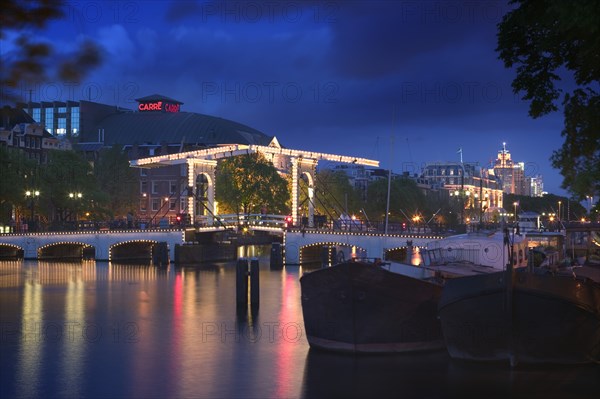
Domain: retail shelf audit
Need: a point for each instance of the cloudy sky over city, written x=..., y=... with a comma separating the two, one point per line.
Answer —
x=404, y=82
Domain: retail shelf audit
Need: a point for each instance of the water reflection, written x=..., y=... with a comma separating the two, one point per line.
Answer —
x=30, y=351
x=111, y=330
x=329, y=375
x=75, y=328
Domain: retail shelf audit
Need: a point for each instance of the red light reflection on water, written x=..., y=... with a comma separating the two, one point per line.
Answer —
x=291, y=335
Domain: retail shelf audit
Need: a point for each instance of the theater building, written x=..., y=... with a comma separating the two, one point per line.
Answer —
x=157, y=126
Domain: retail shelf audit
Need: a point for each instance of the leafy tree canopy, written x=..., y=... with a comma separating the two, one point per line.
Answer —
x=16, y=176
x=67, y=173
x=406, y=200
x=570, y=210
x=250, y=183
x=30, y=60
x=117, y=180
x=333, y=194
x=545, y=40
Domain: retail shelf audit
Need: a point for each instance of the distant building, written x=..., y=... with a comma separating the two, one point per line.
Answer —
x=510, y=173
x=21, y=132
x=477, y=189
x=536, y=186
x=69, y=119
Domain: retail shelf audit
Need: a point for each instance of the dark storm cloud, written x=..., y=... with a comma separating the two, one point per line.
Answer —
x=331, y=76
x=381, y=37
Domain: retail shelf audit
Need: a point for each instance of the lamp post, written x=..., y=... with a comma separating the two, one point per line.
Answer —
x=32, y=195
x=559, y=202
x=515, y=205
x=484, y=206
x=590, y=199
x=76, y=196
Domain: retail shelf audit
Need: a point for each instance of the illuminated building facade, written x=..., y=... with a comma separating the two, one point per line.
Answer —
x=68, y=119
x=157, y=126
x=21, y=132
x=510, y=173
x=478, y=191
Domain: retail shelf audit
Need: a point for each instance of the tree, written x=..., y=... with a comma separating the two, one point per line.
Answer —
x=334, y=194
x=31, y=60
x=570, y=210
x=406, y=199
x=250, y=183
x=16, y=174
x=117, y=180
x=544, y=39
x=67, y=173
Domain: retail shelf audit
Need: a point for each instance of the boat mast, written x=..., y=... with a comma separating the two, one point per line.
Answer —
x=509, y=296
x=387, y=207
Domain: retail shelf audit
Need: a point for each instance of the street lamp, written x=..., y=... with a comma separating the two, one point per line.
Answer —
x=77, y=196
x=590, y=199
x=515, y=205
x=559, y=202
x=32, y=195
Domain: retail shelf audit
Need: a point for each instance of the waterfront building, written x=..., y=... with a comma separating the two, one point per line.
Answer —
x=478, y=192
x=157, y=126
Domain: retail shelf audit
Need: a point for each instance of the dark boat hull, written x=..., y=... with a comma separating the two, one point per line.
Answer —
x=361, y=308
x=548, y=319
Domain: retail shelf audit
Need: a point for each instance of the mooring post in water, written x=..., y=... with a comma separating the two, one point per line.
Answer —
x=276, y=256
x=254, y=283
x=409, y=252
x=160, y=254
x=325, y=256
x=241, y=282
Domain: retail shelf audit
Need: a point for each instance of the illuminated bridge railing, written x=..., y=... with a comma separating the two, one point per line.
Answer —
x=253, y=220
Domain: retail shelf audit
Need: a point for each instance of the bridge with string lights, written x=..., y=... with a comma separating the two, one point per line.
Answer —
x=143, y=244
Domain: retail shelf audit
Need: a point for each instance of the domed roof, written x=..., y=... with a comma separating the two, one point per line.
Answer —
x=176, y=127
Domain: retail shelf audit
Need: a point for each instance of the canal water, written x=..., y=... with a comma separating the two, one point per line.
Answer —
x=102, y=330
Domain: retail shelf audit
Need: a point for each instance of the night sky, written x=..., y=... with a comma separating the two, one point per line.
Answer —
x=408, y=81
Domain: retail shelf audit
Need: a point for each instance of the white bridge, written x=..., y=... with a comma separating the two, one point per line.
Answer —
x=99, y=245
x=307, y=246
x=129, y=245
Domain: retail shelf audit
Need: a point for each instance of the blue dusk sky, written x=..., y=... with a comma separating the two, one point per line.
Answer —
x=403, y=82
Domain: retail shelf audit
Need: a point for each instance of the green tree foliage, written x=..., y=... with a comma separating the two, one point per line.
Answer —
x=333, y=194
x=117, y=181
x=66, y=173
x=16, y=176
x=570, y=210
x=34, y=61
x=547, y=39
x=406, y=200
x=248, y=184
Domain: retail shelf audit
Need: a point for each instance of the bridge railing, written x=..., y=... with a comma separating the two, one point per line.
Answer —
x=252, y=219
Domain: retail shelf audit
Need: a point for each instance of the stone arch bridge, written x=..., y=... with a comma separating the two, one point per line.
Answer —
x=302, y=246
x=126, y=245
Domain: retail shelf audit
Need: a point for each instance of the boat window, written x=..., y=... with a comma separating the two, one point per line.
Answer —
x=520, y=255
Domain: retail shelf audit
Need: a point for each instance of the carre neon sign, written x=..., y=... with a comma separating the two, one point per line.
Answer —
x=158, y=106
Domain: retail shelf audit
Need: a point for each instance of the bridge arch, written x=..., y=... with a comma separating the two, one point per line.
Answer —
x=399, y=254
x=132, y=251
x=205, y=194
x=336, y=252
x=11, y=251
x=297, y=162
x=65, y=250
